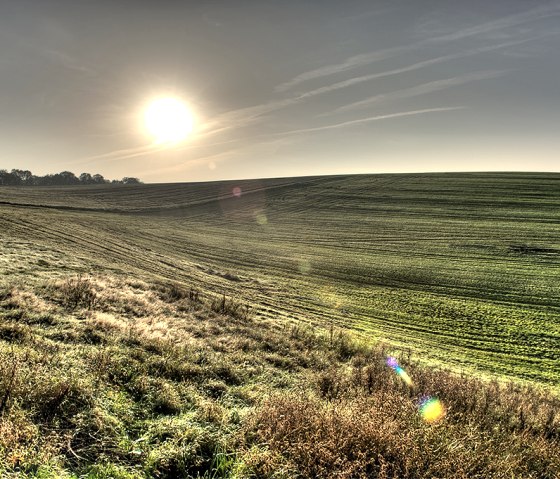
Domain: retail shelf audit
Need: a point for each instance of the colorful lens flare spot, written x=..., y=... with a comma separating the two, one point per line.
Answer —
x=237, y=191
x=392, y=362
x=403, y=375
x=432, y=410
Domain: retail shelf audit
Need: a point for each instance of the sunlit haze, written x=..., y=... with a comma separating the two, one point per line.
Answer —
x=279, y=88
x=168, y=120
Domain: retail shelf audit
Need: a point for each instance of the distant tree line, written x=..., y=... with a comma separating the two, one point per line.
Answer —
x=26, y=178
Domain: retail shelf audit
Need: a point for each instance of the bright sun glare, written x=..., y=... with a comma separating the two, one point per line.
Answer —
x=168, y=120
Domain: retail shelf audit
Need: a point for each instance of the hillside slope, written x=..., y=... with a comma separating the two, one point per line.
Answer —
x=460, y=268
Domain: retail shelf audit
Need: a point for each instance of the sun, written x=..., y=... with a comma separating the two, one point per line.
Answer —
x=168, y=120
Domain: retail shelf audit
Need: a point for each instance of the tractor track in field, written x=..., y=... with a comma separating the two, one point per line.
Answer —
x=126, y=250
x=118, y=251
x=113, y=249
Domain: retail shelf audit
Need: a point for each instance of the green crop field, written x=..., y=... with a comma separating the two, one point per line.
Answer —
x=461, y=269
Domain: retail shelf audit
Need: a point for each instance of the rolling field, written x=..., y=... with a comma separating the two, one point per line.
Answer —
x=462, y=269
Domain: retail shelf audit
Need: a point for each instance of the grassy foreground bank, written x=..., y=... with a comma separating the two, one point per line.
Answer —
x=113, y=377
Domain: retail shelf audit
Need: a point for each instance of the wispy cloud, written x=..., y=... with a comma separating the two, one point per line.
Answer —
x=421, y=89
x=408, y=68
x=214, y=159
x=281, y=138
x=348, y=64
x=365, y=15
x=544, y=11
x=191, y=162
x=236, y=119
x=151, y=149
x=245, y=116
x=369, y=119
x=67, y=61
x=121, y=154
x=371, y=57
x=272, y=141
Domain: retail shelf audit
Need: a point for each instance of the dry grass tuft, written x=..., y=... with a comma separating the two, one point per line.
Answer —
x=75, y=293
x=174, y=292
x=230, y=307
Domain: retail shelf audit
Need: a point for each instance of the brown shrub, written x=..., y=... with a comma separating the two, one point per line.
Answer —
x=172, y=292
x=76, y=293
x=382, y=436
x=230, y=307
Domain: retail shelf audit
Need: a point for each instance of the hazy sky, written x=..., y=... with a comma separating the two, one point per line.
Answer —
x=281, y=88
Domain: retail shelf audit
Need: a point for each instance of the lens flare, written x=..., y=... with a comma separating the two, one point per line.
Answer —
x=403, y=375
x=237, y=191
x=431, y=410
x=394, y=365
x=392, y=362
